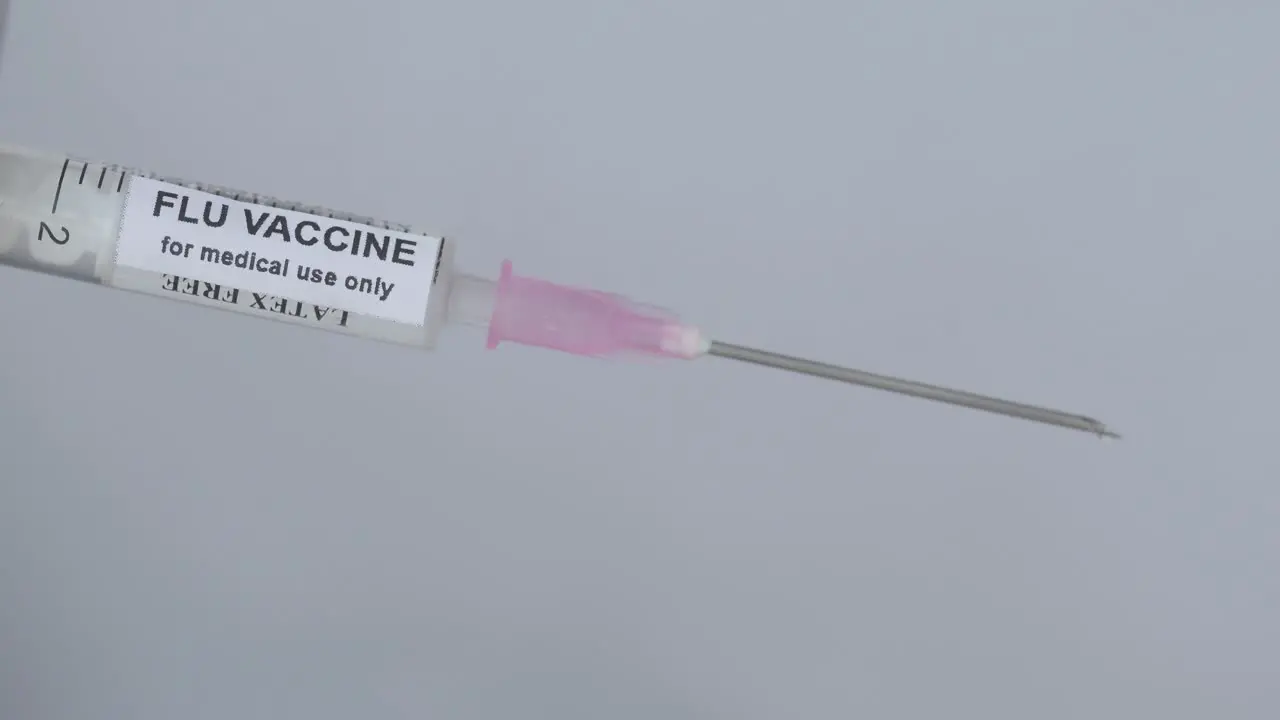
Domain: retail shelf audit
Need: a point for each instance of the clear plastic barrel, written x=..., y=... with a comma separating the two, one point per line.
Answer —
x=61, y=216
x=57, y=216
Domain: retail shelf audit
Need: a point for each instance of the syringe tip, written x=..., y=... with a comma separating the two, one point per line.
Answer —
x=1099, y=428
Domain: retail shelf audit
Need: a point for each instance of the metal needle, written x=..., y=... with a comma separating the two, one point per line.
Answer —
x=911, y=388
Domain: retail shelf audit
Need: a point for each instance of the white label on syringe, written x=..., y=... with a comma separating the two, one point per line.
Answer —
x=178, y=231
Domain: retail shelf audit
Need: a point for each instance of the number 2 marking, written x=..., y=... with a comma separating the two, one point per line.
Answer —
x=45, y=230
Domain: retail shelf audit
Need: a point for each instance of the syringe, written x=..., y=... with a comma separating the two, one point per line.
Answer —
x=306, y=265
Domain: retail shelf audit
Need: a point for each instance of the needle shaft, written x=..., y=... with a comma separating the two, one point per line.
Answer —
x=910, y=388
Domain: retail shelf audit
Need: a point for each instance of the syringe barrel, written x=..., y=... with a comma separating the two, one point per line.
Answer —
x=63, y=216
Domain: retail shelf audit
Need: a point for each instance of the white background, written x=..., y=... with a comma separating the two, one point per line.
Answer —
x=1070, y=203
